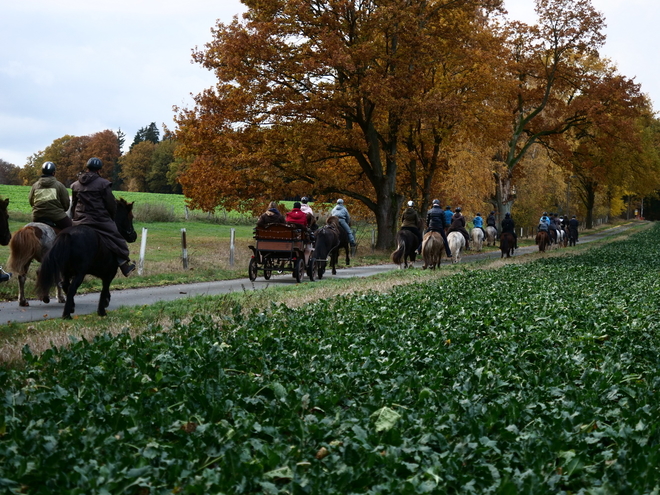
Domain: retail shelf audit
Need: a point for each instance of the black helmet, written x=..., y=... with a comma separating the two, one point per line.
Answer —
x=507, y=214
x=492, y=212
x=436, y=202
x=304, y=199
x=458, y=210
x=478, y=214
x=545, y=213
x=447, y=207
x=48, y=168
x=94, y=163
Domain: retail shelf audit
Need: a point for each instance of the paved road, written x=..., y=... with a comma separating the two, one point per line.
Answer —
x=87, y=303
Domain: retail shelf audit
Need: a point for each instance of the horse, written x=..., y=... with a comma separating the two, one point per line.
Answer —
x=329, y=240
x=30, y=243
x=572, y=236
x=80, y=250
x=542, y=240
x=432, y=248
x=477, y=236
x=407, y=244
x=456, y=242
x=491, y=235
x=507, y=244
x=5, y=234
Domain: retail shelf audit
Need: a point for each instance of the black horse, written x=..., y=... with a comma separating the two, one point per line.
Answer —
x=80, y=250
x=507, y=244
x=5, y=234
x=329, y=240
x=407, y=244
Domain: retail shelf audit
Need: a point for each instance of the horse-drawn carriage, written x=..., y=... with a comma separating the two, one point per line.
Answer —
x=282, y=247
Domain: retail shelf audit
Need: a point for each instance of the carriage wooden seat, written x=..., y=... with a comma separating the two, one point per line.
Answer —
x=279, y=237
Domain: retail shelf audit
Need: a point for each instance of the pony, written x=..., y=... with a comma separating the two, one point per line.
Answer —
x=542, y=240
x=30, y=243
x=329, y=240
x=507, y=244
x=456, y=242
x=432, y=248
x=5, y=234
x=572, y=236
x=407, y=243
x=491, y=235
x=477, y=236
x=80, y=250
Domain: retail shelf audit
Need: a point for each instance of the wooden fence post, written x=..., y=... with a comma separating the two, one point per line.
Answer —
x=184, y=248
x=232, y=238
x=143, y=249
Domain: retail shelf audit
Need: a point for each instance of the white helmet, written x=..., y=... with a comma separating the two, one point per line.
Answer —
x=410, y=203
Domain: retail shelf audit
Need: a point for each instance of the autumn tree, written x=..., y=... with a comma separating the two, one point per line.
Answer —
x=136, y=165
x=550, y=64
x=9, y=173
x=333, y=98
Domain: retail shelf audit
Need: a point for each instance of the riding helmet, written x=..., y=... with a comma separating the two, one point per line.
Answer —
x=507, y=214
x=492, y=213
x=478, y=214
x=304, y=199
x=458, y=209
x=48, y=168
x=436, y=202
x=94, y=163
x=410, y=203
x=545, y=213
x=340, y=201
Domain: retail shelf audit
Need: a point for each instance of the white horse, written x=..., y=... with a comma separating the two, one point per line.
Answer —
x=491, y=234
x=456, y=245
x=477, y=236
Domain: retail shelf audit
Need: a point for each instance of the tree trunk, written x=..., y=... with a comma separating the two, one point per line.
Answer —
x=589, y=202
x=504, y=194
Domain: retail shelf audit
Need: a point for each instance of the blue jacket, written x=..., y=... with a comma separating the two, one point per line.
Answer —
x=478, y=222
x=448, y=217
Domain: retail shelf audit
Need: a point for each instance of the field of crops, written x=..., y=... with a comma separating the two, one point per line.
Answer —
x=532, y=378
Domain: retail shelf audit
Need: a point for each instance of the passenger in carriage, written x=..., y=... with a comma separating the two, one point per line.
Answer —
x=270, y=216
x=297, y=216
x=305, y=207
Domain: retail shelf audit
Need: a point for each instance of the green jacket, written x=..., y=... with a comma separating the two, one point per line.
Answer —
x=49, y=199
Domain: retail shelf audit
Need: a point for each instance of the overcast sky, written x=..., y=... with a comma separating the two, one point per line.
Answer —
x=81, y=66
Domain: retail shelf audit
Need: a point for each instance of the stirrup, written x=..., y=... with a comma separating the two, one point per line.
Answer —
x=4, y=276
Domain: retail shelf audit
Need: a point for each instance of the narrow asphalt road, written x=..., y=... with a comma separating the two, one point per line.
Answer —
x=87, y=303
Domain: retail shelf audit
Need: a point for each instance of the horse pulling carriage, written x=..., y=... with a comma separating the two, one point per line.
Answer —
x=282, y=247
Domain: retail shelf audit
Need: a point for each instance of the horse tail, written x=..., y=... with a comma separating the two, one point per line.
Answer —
x=398, y=255
x=52, y=264
x=23, y=248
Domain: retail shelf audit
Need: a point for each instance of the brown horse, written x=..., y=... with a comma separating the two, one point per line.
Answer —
x=507, y=244
x=542, y=240
x=30, y=243
x=432, y=248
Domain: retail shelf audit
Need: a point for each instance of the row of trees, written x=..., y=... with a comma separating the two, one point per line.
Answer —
x=148, y=166
x=380, y=102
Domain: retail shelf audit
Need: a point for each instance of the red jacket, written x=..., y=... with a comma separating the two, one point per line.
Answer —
x=297, y=216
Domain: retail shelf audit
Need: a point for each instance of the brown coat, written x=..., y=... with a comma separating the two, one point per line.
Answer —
x=93, y=204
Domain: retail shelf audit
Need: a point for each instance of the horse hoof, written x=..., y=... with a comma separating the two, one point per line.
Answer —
x=66, y=317
x=46, y=299
x=61, y=300
x=23, y=303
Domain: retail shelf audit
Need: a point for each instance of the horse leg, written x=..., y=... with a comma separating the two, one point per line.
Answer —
x=70, y=305
x=334, y=258
x=104, y=299
x=348, y=259
x=61, y=296
x=21, y=291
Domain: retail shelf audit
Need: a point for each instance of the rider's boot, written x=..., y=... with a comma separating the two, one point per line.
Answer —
x=126, y=268
x=4, y=276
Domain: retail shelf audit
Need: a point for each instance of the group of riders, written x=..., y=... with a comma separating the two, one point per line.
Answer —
x=92, y=204
x=446, y=221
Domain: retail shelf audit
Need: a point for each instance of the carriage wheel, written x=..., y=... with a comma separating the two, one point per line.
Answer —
x=252, y=269
x=298, y=269
x=311, y=269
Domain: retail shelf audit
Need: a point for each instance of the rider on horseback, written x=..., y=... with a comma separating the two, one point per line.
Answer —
x=458, y=225
x=492, y=222
x=341, y=213
x=478, y=223
x=411, y=221
x=93, y=204
x=509, y=226
x=435, y=222
x=49, y=199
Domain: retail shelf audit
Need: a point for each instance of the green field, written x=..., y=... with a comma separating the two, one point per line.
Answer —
x=531, y=378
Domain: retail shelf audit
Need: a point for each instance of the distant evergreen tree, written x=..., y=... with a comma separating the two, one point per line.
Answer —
x=149, y=133
x=117, y=181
